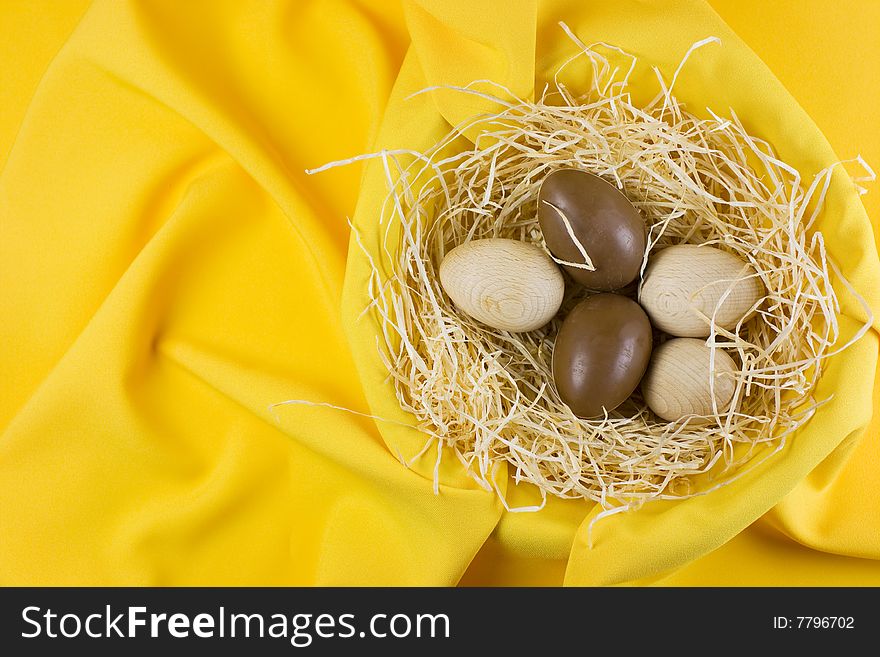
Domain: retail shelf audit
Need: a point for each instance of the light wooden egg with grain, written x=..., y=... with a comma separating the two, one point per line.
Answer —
x=506, y=284
x=684, y=281
x=676, y=384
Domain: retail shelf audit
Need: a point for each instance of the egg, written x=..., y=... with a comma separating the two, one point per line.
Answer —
x=683, y=282
x=601, y=352
x=506, y=284
x=601, y=218
x=677, y=382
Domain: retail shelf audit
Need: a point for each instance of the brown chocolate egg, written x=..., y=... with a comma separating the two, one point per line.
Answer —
x=601, y=218
x=601, y=352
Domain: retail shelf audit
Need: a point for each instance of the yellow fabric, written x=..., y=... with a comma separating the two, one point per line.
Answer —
x=167, y=271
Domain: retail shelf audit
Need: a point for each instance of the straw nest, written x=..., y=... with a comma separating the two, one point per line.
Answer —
x=487, y=396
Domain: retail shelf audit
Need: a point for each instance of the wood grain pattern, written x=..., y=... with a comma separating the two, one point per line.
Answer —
x=503, y=283
x=676, y=384
x=682, y=282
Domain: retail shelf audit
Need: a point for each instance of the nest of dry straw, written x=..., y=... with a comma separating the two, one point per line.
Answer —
x=488, y=395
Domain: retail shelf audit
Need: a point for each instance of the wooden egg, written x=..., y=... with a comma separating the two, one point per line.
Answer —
x=683, y=281
x=503, y=283
x=676, y=384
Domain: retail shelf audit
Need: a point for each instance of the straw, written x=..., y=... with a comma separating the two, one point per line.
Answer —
x=487, y=396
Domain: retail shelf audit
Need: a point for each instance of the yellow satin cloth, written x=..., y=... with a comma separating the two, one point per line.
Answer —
x=168, y=271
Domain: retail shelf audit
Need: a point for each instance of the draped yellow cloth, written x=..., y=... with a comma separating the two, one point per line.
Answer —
x=168, y=272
